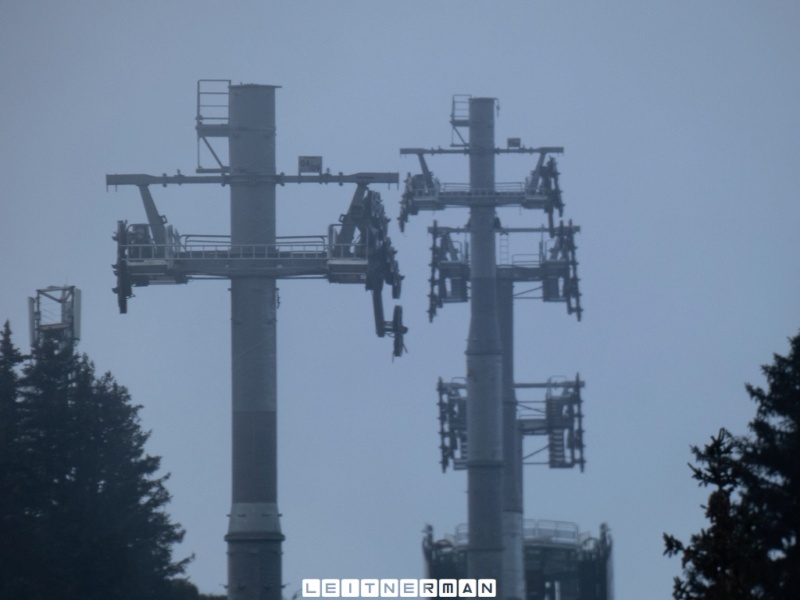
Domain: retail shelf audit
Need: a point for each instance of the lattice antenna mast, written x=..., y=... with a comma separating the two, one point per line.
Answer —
x=472, y=416
x=55, y=314
x=253, y=258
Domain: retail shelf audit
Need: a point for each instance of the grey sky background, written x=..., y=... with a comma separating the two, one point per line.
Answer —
x=682, y=133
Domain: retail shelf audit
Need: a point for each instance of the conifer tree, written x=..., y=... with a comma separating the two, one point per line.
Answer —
x=771, y=481
x=750, y=550
x=93, y=507
x=17, y=535
x=720, y=562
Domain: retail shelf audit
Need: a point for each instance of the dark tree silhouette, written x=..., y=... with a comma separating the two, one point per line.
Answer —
x=17, y=534
x=87, y=511
x=771, y=482
x=750, y=550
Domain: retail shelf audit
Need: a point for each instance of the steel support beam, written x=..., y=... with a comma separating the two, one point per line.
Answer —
x=254, y=535
x=521, y=150
x=484, y=363
x=250, y=176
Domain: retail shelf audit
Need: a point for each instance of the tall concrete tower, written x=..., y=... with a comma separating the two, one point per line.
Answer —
x=480, y=429
x=484, y=358
x=254, y=533
x=253, y=258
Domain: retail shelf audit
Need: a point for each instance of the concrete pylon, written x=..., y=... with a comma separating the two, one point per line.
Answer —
x=513, y=554
x=254, y=535
x=484, y=360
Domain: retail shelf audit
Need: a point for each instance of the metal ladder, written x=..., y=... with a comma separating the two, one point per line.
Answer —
x=459, y=117
x=211, y=119
x=503, y=251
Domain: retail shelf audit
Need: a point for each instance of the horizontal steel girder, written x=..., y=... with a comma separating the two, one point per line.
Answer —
x=280, y=179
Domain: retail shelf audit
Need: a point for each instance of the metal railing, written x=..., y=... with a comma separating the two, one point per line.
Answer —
x=218, y=247
x=536, y=530
x=502, y=188
x=499, y=188
x=211, y=247
x=556, y=532
x=212, y=101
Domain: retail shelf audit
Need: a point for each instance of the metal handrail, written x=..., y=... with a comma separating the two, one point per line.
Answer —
x=522, y=260
x=556, y=532
x=218, y=247
x=562, y=532
x=499, y=188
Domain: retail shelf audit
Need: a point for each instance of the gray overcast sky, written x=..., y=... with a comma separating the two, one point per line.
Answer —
x=681, y=127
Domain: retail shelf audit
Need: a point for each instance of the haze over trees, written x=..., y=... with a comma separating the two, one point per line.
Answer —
x=82, y=509
x=750, y=549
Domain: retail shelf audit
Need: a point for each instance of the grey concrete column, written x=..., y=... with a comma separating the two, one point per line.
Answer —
x=484, y=367
x=513, y=554
x=254, y=535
